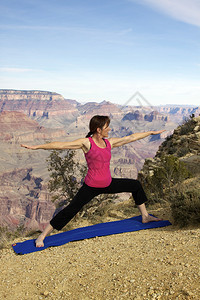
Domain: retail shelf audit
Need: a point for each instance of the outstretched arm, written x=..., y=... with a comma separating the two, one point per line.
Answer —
x=117, y=142
x=76, y=144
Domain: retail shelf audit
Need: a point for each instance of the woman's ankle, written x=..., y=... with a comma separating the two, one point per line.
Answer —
x=48, y=229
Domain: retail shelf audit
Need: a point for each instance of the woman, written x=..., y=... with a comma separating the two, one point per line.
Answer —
x=97, y=151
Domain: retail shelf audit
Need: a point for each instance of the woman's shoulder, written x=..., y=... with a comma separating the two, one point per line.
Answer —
x=110, y=141
x=86, y=144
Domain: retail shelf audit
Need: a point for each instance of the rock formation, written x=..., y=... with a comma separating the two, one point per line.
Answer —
x=16, y=127
x=37, y=103
x=24, y=200
x=178, y=113
x=139, y=116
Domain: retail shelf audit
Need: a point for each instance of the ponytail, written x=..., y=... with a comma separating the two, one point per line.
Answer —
x=89, y=134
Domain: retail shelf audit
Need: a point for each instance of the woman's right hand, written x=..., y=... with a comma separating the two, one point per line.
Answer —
x=29, y=147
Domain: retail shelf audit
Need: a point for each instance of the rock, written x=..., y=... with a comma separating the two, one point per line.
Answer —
x=196, y=128
x=45, y=293
x=197, y=134
x=186, y=292
x=116, y=214
x=187, y=265
x=197, y=119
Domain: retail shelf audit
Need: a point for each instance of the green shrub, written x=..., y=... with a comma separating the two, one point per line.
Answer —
x=187, y=126
x=183, y=151
x=185, y=207
x=172, y=150
x=170, y=172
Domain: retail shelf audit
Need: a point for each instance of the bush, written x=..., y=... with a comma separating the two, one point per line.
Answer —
x=186, y=207
x=172, y=150
x=187, y=126
x=183, y=151
x=170, y=172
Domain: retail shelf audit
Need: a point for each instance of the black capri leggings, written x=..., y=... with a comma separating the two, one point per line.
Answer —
x=87, y=193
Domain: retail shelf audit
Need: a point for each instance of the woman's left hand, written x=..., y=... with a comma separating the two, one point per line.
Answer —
x=157, y=132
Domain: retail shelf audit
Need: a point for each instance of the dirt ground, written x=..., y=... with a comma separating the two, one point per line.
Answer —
x=160, y=263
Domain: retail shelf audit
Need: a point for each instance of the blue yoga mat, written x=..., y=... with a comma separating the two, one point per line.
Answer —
x=102, y=229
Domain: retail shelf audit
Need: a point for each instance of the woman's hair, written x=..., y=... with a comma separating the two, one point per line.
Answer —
x=97, y=122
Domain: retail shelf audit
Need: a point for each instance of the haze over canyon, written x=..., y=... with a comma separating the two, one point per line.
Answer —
x=35, y=117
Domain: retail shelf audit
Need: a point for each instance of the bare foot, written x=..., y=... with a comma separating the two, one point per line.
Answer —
x=39, y=241
x=148, y=218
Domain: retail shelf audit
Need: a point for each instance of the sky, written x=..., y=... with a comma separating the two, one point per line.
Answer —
x=96, y=50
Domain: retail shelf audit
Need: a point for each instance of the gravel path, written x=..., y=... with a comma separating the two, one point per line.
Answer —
x=160, y=263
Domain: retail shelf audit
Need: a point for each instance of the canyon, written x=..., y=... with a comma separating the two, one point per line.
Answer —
x=37, y=117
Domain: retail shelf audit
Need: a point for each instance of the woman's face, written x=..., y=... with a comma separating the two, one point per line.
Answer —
x=105, y=130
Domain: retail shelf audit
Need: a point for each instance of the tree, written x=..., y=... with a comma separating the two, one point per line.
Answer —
x=66, y=175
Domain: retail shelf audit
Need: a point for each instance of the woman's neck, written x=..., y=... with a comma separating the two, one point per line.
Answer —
x=99, y=141
x=97, y=138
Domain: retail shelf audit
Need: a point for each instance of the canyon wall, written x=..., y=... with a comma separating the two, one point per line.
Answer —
x=37, y=103
x=24, y=200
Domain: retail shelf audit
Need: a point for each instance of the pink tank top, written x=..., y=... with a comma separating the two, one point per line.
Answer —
x=98, y=161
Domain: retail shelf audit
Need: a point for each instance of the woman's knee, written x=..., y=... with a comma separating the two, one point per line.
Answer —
x=137, y=183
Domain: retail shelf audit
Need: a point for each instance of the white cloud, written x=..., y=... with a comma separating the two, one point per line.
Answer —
x=187, y=11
